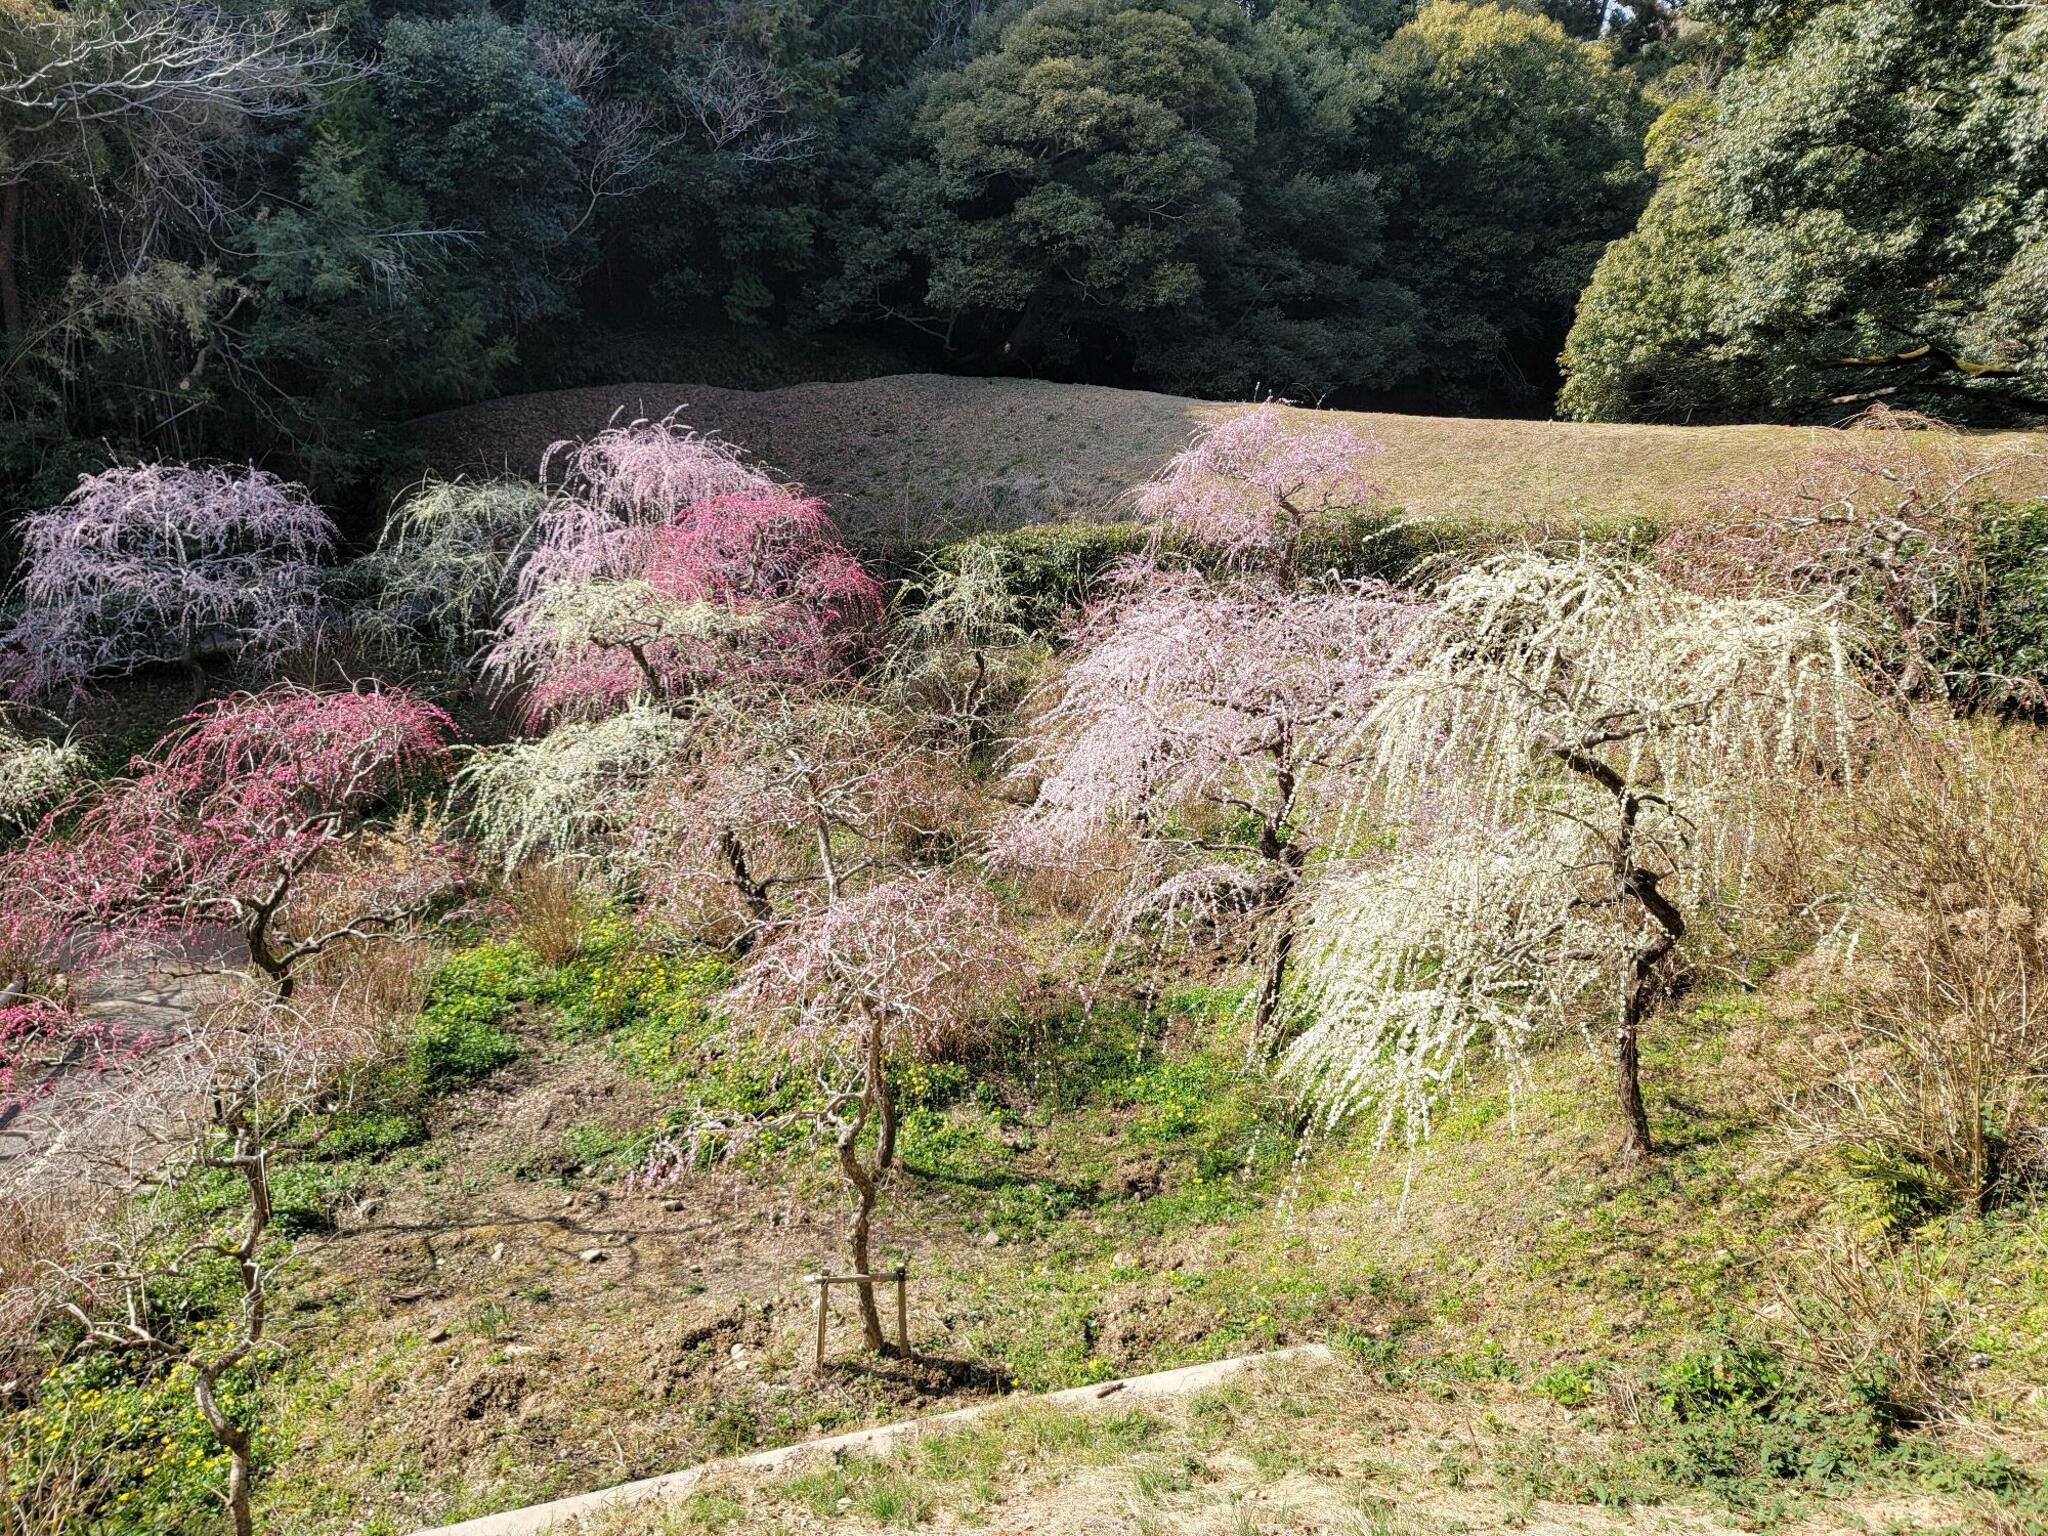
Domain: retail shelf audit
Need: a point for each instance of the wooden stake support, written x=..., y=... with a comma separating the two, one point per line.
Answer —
x=899, y=1277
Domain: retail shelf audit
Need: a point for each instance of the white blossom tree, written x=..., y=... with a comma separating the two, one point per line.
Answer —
x=1570, y=756
x=439, y=576
x=33, y=773
x=573, y=792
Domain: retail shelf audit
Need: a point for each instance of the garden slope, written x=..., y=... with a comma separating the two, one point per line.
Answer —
x=921, y=454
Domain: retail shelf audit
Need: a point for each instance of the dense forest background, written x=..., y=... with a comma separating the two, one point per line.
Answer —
x=240, y=232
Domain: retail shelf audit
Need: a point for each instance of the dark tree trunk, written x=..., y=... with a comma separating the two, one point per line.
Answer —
x=1267, y=1009
x=1642, y=886
x=256, y=934
x=863, y=1181
x=885, y=1126
x=1628, y=1087
x=860, y=1231
x=753, y=893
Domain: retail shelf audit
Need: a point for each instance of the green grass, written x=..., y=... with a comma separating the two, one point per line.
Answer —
x=1113, y=1192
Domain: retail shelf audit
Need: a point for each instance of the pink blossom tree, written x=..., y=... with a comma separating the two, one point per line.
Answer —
x=164, y=564
x=255, y=815
x=1250, y=485
x=910, y=968
x=1213, y=724
x=665, y=563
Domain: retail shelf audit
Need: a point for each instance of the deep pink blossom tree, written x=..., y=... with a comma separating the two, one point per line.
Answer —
x=1214, y=724
x=254, y=816
x=1250, y=485
x=165, y=564
x=665, y=563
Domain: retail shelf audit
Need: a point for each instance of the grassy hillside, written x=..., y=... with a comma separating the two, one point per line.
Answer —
x=1787, y=1318
x=494, y=1321
x=919, y=453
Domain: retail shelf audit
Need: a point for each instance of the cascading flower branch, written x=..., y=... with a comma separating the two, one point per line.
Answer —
x=1216, y=723
x=665, y=563
x=32, y=774
x=251, y=816
x=1608, y=733
x=163, y=564
x=1249, y=486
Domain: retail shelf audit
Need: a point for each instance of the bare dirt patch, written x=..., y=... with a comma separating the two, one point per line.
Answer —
x=492, y=1327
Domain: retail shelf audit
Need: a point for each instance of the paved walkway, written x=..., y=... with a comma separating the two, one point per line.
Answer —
x=149, y=997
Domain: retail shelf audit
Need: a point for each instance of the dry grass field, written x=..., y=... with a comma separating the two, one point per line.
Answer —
x=1287, y=1450
x=918, y=454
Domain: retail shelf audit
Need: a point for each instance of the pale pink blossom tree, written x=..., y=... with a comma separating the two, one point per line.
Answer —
x=255, y=815
x=1215, y=725
x=1249, y=487
x=165, y=564
x=911, y=968
x=663, y=564
x=791, y=800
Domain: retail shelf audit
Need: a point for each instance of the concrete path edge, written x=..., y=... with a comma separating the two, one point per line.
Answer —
x=537, y=1518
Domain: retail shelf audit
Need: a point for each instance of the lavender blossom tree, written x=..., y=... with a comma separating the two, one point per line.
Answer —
x=165, y=564
x=1218, y=725
x=1591, y=734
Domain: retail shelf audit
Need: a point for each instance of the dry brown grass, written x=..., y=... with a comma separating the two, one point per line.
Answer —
x=552, y=910
x=1287, y=1450
x=1952, y=884
x=917, y=453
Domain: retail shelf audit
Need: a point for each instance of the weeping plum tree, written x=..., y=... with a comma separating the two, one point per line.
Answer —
x=33, y=772
x=254, y=815
x=664, y=564
x=164, y=564
x=572, y=793
x=436, y=581
x=1218, y=724
x=1570, y=753
x=909, y=968
x=792, y=800
x=1250, y=487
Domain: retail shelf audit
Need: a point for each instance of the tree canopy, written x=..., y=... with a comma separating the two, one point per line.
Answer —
x=1856, y=212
